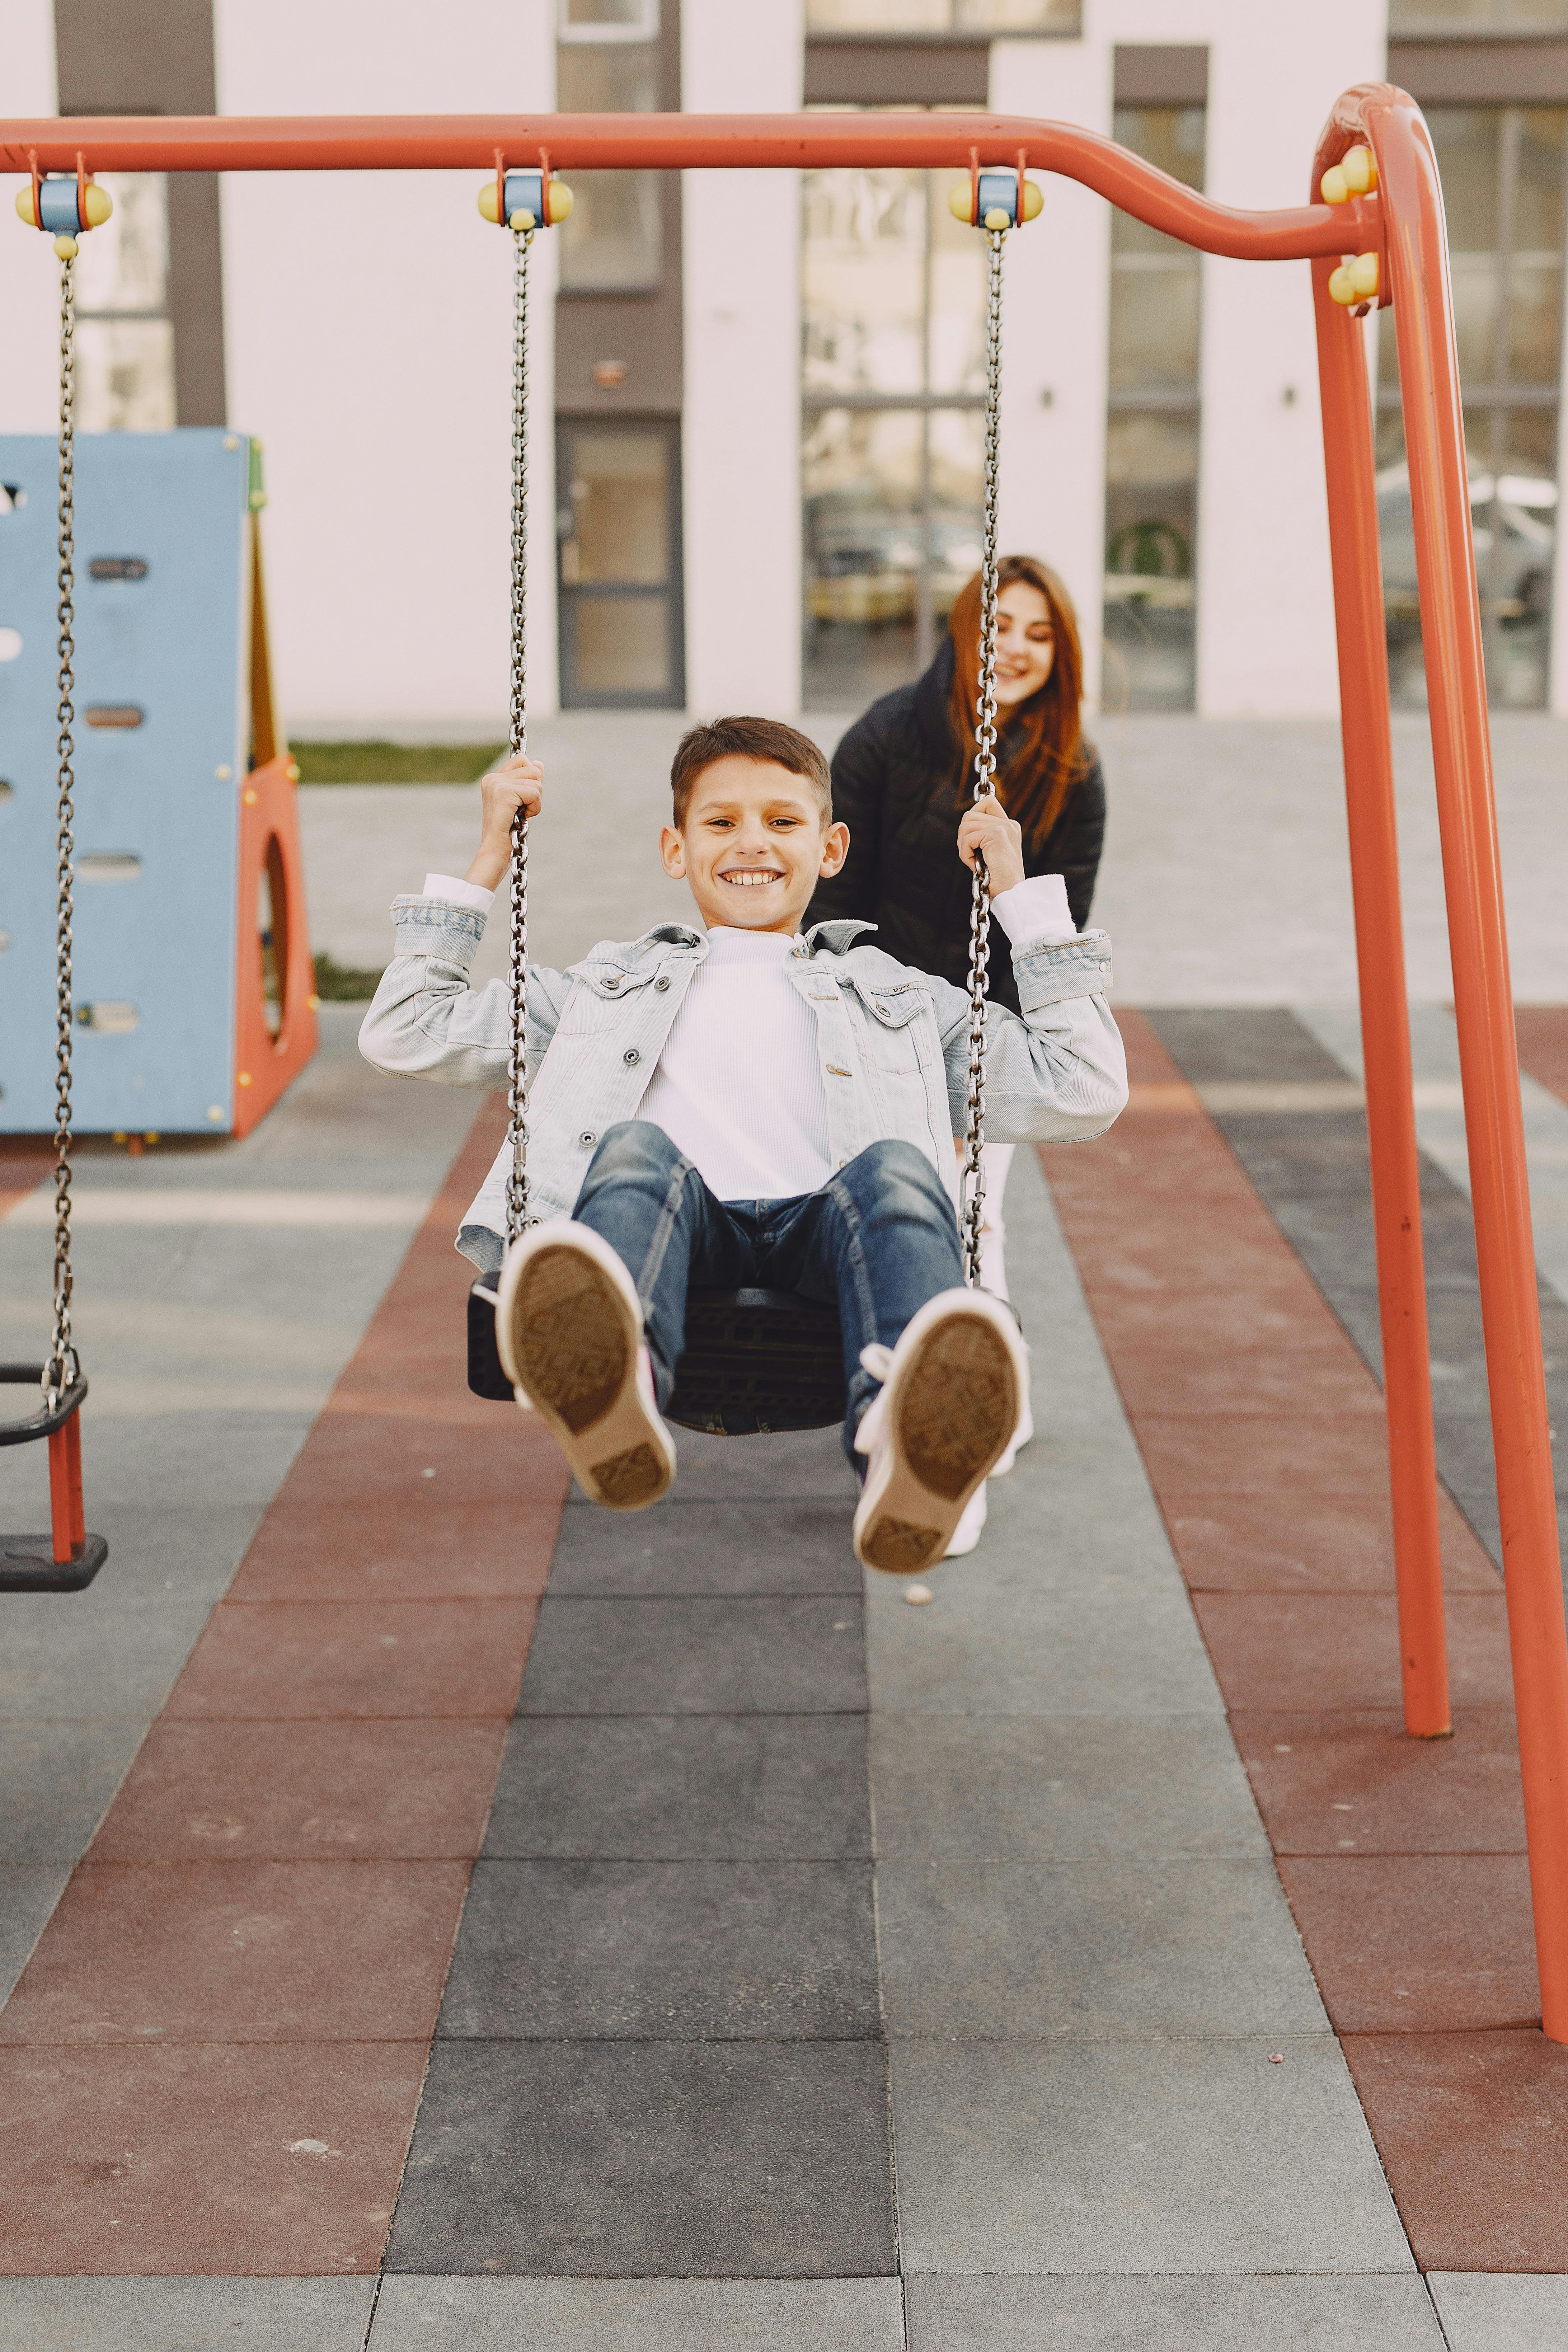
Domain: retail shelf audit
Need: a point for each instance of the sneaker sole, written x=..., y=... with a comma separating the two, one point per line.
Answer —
x=957, y=1407
x=576, y=1350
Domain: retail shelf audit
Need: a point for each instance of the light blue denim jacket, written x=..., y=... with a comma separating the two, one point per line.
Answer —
x=894, y=1041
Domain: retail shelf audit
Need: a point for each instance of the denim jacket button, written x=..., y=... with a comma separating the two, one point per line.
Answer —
x=662, y=982
x=631, y=1054
x=587, y=1136
x=613, y=982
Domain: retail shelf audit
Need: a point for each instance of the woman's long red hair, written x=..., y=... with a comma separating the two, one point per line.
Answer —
x=1048, y=761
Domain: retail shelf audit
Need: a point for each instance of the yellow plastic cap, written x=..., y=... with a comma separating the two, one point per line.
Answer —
x=100, y=205
x=561, y=201
x=959, y=200
x=66, y=247
x=997, y=219
x=1341, y=284
x=1363, y=276
x=24, y=206
x=1359, y=168
x=520, y=220
x=1034, y=201
x=1335, y=188
x=489, y=208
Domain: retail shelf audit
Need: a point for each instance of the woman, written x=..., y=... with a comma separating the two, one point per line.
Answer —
x=904, y=773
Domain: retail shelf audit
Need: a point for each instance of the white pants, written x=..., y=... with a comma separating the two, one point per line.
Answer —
x=996, y=1158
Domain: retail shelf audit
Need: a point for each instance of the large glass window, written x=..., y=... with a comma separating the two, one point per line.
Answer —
x=893, y=377
x=620, y=565
x=124, y=336
x=943, y=16
x=1152, y=447
x=1502, y=171
x=607, y=63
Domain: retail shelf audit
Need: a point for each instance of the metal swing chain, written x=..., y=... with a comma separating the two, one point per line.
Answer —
x=63, y=1369
x=517, y=1216
x=971, y=1181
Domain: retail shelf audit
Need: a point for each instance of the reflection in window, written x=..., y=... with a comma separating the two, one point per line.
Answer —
x=607, y=63
x=1151, y=448
x=943, y=16
x=893, y=372
x=124, y=336
x=1502, y=171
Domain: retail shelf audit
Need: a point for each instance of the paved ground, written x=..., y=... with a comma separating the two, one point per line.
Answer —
x=1084, y=1959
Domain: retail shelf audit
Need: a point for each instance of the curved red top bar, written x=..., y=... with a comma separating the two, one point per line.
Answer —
x=435, y=143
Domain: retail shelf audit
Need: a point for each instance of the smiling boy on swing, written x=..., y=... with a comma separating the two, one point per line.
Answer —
x=738, y=1107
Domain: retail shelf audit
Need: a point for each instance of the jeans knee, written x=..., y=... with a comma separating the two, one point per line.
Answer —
x=893, y=1166
x=632, y=1149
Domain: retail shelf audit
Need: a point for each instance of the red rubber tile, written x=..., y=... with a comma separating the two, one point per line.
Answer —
x=304, y=1791
x=281, y=1658
x=1542, y=1032
x=432, y=1551
x=1206, y=1256
x=1325, y=1543
x=1326, y=1651
x=1344, y=1454
x=1423, y=1943
x=241, y=1951
x=250, y=2161
x=1314, y=1373
x=382, y=1459
x=1471, y=2128
x=1330, y=1784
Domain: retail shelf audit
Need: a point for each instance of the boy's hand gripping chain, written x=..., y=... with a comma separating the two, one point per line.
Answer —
x=971, y=1181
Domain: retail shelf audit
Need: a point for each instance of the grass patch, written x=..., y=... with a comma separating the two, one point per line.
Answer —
x=336, y=984
x=395, y=763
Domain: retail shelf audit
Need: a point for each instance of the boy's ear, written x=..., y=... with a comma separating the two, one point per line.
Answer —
x=835, y=849
x=672, y=850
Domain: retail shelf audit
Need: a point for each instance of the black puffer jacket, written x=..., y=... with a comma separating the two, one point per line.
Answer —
x=897, y=785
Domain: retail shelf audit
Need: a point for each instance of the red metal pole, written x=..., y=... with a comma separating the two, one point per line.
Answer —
x=60, y=1489
x=1417, y=263
x=1384, y=1012
x=73, y=1479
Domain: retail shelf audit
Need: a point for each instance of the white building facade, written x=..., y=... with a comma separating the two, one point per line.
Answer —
x=756, y=396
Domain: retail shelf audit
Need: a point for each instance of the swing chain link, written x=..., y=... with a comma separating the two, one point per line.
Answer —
x=971, y=1181
x=63, y=1369
x=517, y=1215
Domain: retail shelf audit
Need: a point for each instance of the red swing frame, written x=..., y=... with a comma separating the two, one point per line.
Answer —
x=1403, y=223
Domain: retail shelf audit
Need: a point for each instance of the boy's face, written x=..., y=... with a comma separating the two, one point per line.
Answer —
x=754, y=846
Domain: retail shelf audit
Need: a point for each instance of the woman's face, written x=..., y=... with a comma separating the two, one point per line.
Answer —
x=1025, y=648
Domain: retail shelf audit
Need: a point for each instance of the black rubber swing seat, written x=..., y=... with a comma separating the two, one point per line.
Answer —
x=756, y=1361
x=28, y=1563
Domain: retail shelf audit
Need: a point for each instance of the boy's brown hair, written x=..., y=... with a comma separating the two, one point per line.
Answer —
x=748, y=738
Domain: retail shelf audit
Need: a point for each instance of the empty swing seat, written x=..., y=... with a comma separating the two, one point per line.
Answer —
x=755, y=1361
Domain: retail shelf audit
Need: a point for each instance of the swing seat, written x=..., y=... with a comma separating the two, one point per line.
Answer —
x=66, y=1559
x=755, y=1361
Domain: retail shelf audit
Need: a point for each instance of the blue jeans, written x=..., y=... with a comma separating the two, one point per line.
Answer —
x=876, y=1241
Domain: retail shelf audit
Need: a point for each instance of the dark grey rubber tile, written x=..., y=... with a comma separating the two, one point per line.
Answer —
x=1001, y=1950
x=648, y=2159
x=28, y=1893
x=684, y=1951
x=1060, y=1787
x=987, y=1646
x=184, y=2314
x=1176, y=2314
x=646, y=2315
x=1235, y=1041
x=1339, y=1250
x=56, y=1782
x=709, y=1548
x=802, y=1657
x=673, y=1788
x=799, y=1465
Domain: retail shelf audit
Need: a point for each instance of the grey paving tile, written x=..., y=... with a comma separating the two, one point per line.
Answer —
x=979, y=1649
x=672, y=1787
x=28, y=1893
x=1000, y=1950
x=793, y=1656
x=642, y=2314
x=1240, y=1041
x=1172, y=2314
x=709, y=1548
x=56, y=1779
x=1501, y=2311
x=793, y=1466
x=1130, y=2157
x=1059, y=1786
x=643, y=2159
x=684, y=1951
x=184, y=2314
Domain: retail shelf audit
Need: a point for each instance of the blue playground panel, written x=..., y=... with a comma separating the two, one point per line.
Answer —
x=157, y=803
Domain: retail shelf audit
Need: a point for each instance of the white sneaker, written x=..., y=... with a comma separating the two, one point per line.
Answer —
x=971, y=1527
x=1020, y=1436
x=569, y=1332
x=952, y=1391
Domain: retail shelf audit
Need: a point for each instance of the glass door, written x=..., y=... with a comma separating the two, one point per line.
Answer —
x=618, y=529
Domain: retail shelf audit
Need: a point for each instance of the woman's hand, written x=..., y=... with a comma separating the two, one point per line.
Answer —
x=517, y=783
x=988, y=827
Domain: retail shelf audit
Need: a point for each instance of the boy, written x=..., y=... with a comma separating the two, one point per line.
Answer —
x=738, y=1106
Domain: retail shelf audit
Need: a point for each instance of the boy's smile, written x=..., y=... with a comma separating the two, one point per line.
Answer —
x=753, y=845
